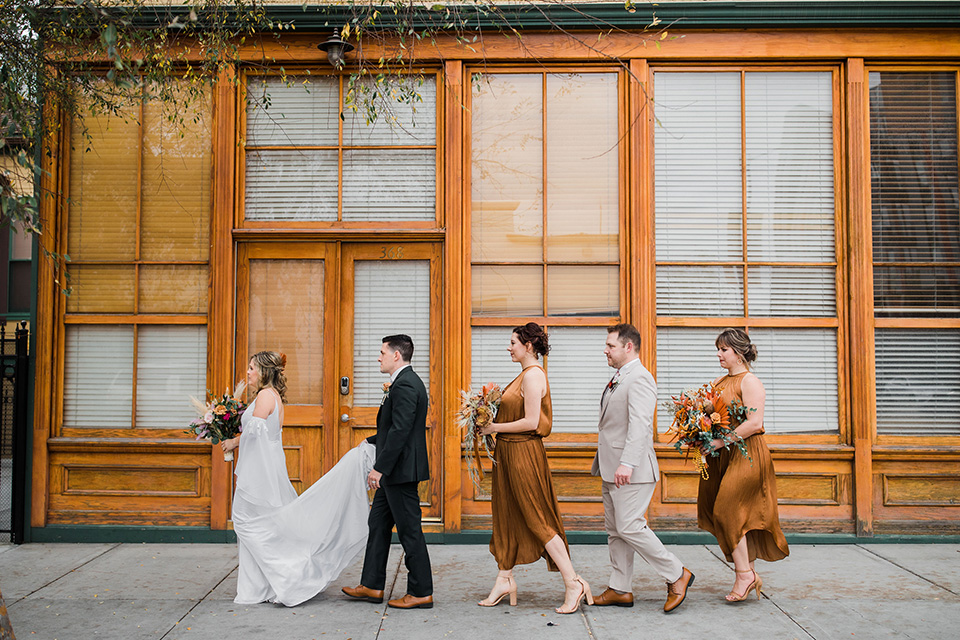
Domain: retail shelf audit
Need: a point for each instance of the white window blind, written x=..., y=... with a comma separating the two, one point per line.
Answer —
x=171, y=367
x=703, y=290
x=390, y=297
x=578, y=372
x=697, y=166
x=918, y=381
x=389, y=184
x=406, y=112
x=300, y=111
x=798, y=369
x=291, y=184
x=98, y=377
x=489, y=360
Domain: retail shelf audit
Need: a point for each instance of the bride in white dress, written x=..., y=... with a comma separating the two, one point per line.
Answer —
x=291, y=547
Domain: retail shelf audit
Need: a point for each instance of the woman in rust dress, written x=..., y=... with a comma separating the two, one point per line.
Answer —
x=738, y=502
x=526, y=515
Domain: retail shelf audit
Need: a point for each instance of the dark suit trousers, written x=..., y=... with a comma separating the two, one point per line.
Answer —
x=397, y=504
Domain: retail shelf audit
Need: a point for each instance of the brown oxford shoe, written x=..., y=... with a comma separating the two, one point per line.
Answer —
x=677, y=591
x=412, y=602
x=363, y=593
x=610, y=597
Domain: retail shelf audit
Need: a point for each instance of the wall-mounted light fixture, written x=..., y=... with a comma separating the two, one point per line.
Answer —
x=336, y=49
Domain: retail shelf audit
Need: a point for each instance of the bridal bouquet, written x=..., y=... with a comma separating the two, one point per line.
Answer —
x=219, y=419
x=476, y=412
x=702, y=415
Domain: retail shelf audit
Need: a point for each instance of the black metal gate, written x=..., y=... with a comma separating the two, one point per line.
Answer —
x=13, y=431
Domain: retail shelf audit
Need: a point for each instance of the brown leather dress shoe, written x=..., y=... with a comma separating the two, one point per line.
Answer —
x=412, y=602
x=363, y=593
x=610, y=597
x=677, y=591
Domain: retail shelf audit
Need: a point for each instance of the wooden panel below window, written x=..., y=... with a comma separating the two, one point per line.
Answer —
x=118, y=480
x=926, y=490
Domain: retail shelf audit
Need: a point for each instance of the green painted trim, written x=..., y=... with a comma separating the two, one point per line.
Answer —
x=776, y=14
x=127, y=534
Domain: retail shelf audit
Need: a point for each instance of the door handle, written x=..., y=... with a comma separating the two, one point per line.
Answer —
x=344, y=417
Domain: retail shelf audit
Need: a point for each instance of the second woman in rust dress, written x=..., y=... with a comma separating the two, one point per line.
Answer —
x=526, y=515
x=738, y=502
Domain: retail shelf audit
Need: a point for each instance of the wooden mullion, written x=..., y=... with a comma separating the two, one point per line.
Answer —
x=117, y=319
x=840, y=253
x=557, y=321
x=543, y=187
x=745, y=321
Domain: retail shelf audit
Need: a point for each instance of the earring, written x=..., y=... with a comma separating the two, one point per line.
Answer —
x=739, y=360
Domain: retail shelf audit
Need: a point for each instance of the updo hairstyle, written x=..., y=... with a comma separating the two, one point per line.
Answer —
x=533, y=334
x=739, y=341
x=270, y=366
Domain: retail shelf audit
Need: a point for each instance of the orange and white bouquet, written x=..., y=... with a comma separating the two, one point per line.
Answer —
x=476, y=412
x=219, y=419
x=701, y=416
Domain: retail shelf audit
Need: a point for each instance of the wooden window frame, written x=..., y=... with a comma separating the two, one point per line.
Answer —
x=241, y=223
x=893, y=322
x=134, y=319
x=624, y=180
x=843, y=435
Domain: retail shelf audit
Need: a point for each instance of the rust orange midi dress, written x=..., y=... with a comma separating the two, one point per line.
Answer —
x=740, y=496
x=526, y=514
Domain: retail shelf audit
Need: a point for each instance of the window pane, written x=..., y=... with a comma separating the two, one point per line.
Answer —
x=406, y=112
x=918, y=381
x=699, y=291
x=686, y=359
x=98, y=377
x=383, y=184
x=583, y=206
x=697, y=166
x=577, y=371
x=21, y=243
x=789, y=166
x=914, y=192
x=507, y=290
x=21, y=287
x=507, y=168
x=171, y=367
x=101, y=289
x=103, y=187
x=301, y=111
x=176, y=200
x=390, y=297
x=489, y=359
x=792, y=291
x=291, y=185
x=286, y=314
x=583, y=291
x=174, y=288
x=798, y=368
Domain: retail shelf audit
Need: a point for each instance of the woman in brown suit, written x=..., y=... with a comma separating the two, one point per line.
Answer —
x=526, y=515
x=738, y=502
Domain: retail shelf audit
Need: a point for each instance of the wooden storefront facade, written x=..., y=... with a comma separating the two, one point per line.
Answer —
x=722, y=177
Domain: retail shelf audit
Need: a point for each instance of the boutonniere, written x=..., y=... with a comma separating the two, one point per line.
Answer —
x=386, y=392
x=614, y=381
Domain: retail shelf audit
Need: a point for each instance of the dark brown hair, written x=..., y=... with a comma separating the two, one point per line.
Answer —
x=270, y=366
x=739, y=341
x=627, y=333
x=533, y=334
x=402, y=343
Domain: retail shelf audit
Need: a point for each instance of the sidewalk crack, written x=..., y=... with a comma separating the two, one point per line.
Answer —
x=105, y=551
x=197, y=603
x=388, y=596
x=910, y=571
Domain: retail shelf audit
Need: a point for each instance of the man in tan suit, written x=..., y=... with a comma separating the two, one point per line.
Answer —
x=627, y=464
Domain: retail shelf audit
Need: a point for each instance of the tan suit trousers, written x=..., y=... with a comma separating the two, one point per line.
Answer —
x=624, y=514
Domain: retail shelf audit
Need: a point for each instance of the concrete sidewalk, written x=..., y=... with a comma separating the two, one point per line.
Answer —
x=173, y=591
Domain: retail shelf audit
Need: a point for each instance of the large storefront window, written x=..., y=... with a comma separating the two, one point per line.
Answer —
x=745, y=235
x=138, y=235
x=916, y=250
x=545, y=228
x=305, y=163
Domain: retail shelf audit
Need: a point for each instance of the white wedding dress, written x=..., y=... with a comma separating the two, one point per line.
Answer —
x=292, y=547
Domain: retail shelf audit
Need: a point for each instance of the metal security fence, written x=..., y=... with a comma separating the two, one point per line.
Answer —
x=13, y=431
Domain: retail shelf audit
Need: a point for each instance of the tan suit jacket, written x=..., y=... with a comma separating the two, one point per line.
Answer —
x=626, y=427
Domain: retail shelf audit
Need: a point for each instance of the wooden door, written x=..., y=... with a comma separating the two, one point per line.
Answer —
x=327, y=305
x=390, y=288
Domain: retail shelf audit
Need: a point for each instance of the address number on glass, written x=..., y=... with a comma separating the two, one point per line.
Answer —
x=391, y=253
